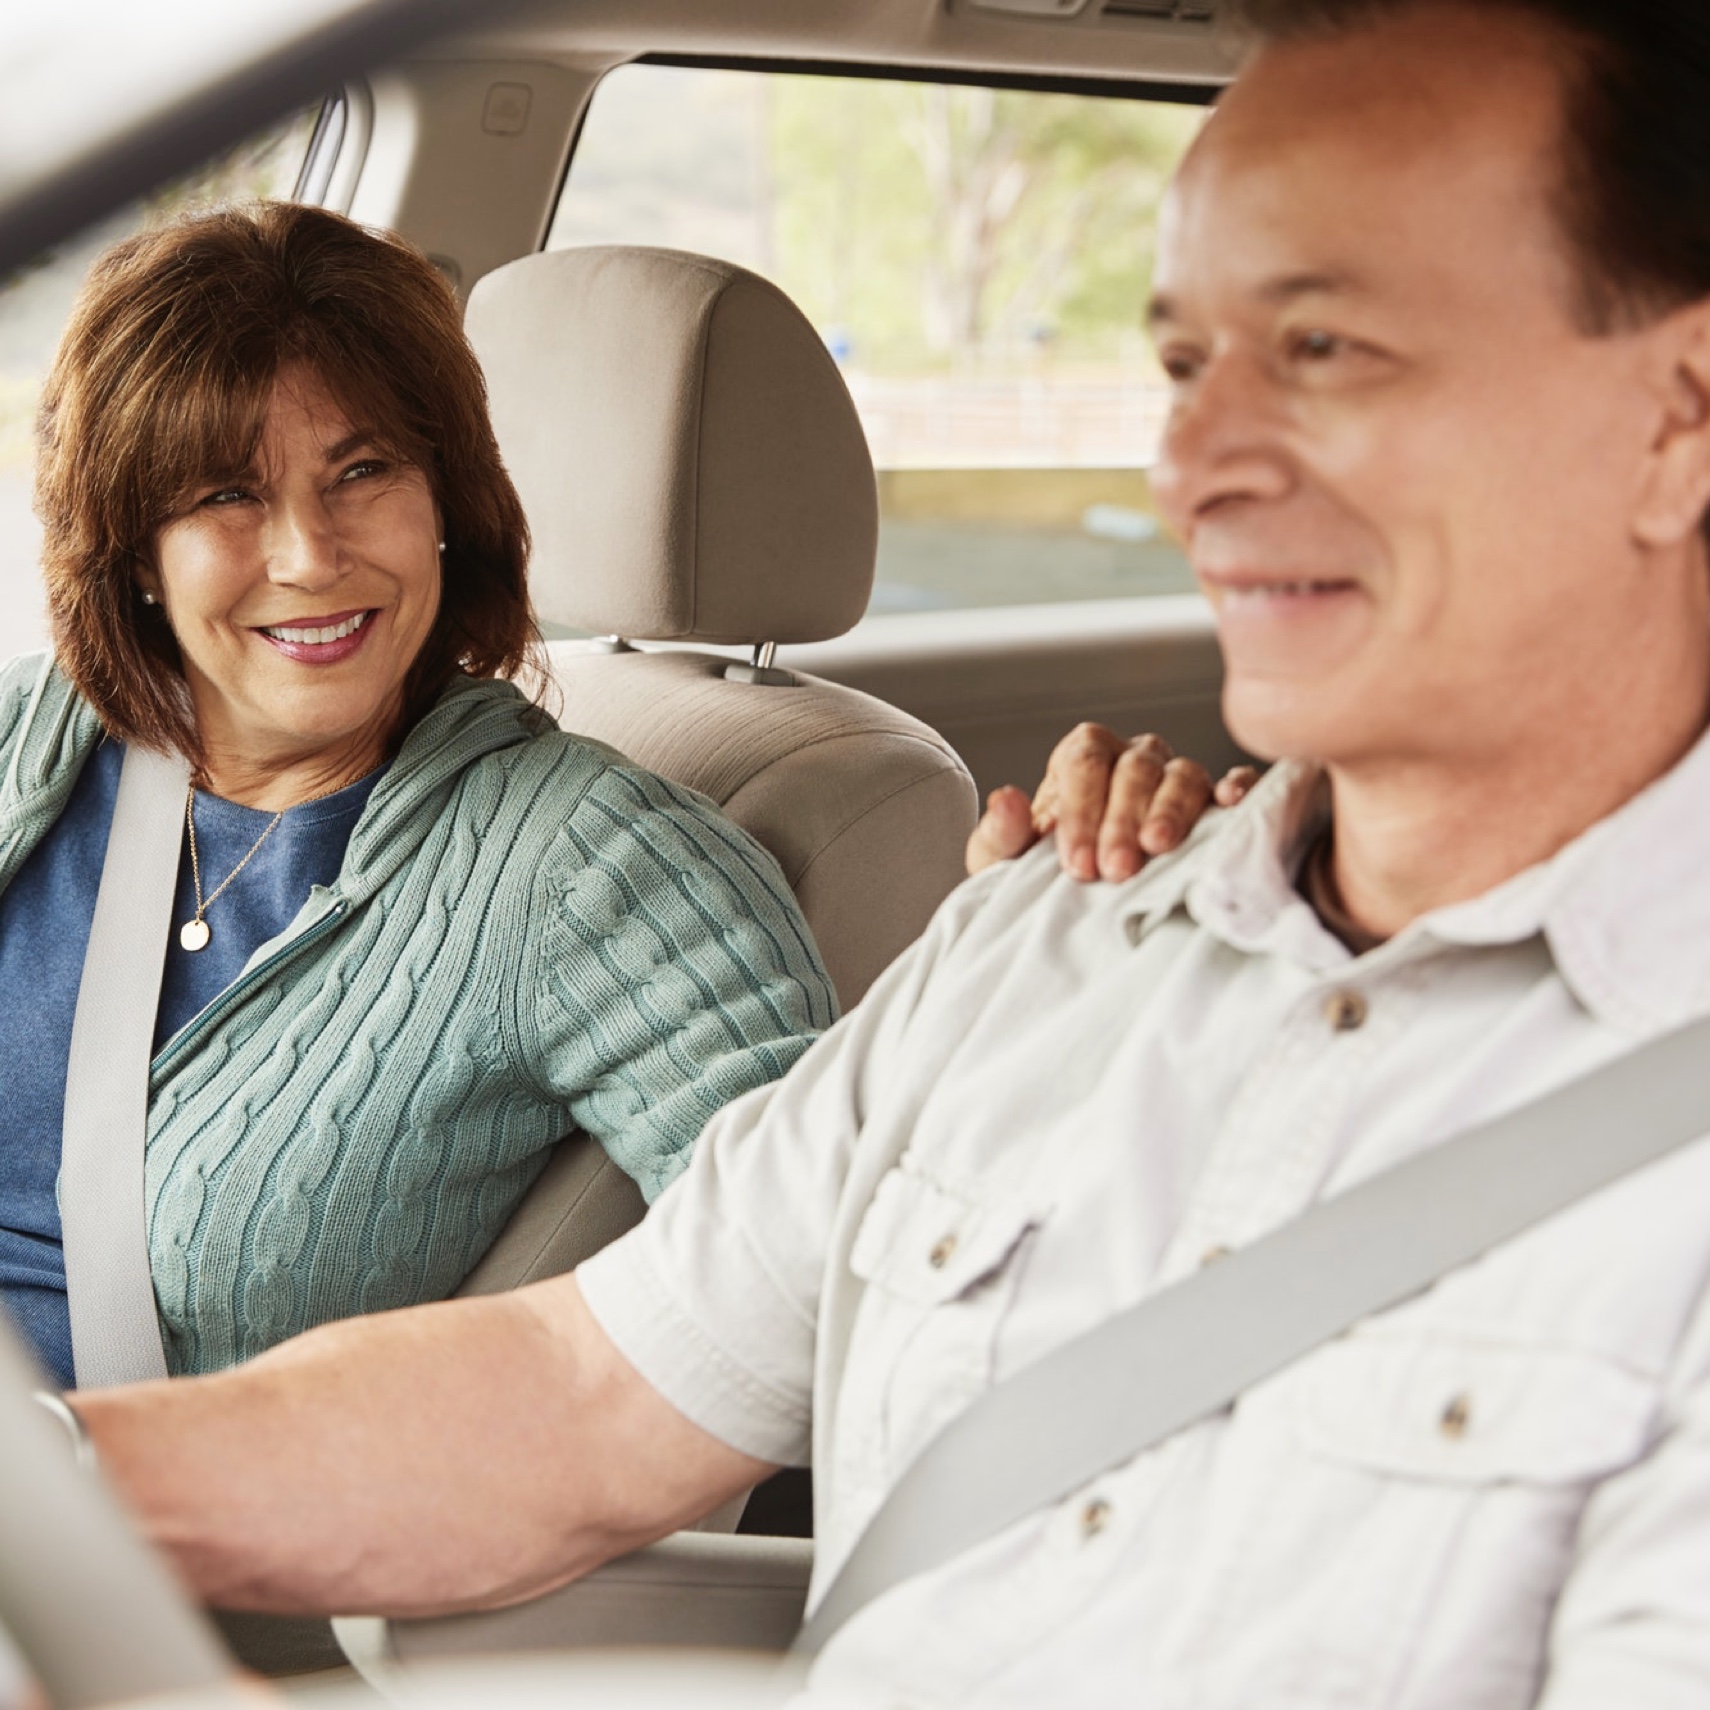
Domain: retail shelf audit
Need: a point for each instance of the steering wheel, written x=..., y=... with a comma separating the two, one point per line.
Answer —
x=95, y=1613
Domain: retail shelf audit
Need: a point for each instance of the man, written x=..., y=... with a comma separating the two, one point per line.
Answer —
x=1431, y=289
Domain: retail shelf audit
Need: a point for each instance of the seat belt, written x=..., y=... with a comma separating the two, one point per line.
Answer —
x=115, y=1329
x=1189, y=1351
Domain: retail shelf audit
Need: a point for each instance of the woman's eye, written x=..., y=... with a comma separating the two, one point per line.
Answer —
x=368, y=466
x=225, y=496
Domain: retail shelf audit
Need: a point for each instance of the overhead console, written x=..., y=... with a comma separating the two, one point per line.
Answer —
x=1188, y=42
x=1153, y=11
x=1193, y=36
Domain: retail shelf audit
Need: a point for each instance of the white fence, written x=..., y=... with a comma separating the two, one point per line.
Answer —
x=1035, y=422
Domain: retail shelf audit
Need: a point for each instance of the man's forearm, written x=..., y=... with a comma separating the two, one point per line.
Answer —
x=446, y=1457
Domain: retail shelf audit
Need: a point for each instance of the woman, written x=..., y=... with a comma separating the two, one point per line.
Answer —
x=419, y=932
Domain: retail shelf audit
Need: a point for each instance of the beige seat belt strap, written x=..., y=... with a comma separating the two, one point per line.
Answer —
x=115, y=1330
x=1191, y=1350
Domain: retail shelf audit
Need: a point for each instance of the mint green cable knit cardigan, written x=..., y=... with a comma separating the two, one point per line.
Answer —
x=527, y=934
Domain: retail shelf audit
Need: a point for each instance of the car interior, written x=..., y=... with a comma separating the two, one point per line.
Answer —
x=813, y=338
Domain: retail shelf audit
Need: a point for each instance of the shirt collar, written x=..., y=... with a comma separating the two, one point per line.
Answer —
x=1235, y=875
x=1624, y=907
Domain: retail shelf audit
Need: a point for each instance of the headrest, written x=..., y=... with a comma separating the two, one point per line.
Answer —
x=688, y=455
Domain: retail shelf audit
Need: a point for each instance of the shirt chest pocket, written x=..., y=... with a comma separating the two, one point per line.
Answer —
x=941, y=1265
x=1426, y=1501
x=1465, y=1412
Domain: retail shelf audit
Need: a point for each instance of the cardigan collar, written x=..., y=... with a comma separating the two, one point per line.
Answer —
x=58, y=731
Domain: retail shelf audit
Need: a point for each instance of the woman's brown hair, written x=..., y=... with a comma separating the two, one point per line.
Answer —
x=162, y=381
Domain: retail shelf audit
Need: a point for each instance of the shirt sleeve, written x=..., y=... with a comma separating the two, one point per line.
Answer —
x=672, y=972
x=715, y=1297
x=1633, y=1624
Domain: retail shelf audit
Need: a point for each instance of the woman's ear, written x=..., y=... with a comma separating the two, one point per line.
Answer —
x=146, y=579
x=1675, y=495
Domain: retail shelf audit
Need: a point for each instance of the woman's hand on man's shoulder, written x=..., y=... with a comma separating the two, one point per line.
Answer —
x=1112, y=802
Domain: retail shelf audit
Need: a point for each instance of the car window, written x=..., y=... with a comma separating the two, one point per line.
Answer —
x=975, y=258
x=34, y=303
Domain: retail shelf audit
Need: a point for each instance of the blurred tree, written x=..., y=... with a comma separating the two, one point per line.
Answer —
x=932, y=223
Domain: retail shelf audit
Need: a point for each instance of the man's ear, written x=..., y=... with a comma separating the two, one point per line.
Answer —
x=1674, y=497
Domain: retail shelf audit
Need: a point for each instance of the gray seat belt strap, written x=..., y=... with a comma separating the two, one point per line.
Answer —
x=115, y=1331
x=1189, y=1351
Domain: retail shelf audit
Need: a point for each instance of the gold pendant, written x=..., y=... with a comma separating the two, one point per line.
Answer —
x=194, y=935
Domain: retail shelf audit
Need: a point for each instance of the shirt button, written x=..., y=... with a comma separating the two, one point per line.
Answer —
x=1457, y=1416
x=942, y=1252
x=1095, y=1517
x=1211, y=1255
x=1346, y=1010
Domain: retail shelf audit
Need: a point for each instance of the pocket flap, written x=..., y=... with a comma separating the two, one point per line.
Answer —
x=929, y=1243
x=1444, y=1407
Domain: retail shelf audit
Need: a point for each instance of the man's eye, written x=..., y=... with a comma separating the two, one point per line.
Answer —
x=1179, y=365
x=1316, y=345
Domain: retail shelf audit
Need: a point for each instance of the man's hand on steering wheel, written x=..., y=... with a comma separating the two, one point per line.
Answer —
x=1113, y=802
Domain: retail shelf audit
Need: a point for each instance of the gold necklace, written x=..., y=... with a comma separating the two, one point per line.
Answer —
x=195, y=933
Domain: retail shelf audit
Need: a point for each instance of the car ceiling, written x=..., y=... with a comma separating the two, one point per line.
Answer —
x=97, y=112
x=1100, y=38
x=104, y=99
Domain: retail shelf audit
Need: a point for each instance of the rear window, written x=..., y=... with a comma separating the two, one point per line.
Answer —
x=976, y=259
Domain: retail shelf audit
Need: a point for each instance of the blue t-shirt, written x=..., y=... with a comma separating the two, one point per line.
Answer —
x=45, y=916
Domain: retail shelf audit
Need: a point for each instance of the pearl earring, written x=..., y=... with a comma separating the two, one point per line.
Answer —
x=442, y=546
x=148, y=599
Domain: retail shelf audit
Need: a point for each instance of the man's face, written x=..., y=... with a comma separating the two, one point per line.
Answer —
x=1405, y=476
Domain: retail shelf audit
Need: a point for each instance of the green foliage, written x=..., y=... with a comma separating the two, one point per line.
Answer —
x=940, y=225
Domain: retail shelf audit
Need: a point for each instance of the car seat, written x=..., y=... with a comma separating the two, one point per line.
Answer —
x=694, y=472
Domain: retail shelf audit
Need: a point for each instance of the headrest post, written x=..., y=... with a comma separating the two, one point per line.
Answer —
x=609, y=644
x=761, y=670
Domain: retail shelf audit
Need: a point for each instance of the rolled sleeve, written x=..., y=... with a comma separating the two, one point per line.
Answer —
x=698, y=1314
x=715, y=1298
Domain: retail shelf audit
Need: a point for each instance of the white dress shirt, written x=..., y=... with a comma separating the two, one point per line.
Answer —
x=1066, y=1096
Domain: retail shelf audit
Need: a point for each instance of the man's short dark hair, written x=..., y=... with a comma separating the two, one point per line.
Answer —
x=1634, y=198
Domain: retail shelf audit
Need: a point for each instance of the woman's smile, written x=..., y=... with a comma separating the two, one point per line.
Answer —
x=324, y=640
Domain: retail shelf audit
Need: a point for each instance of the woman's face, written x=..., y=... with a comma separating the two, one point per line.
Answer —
x=300, y=596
